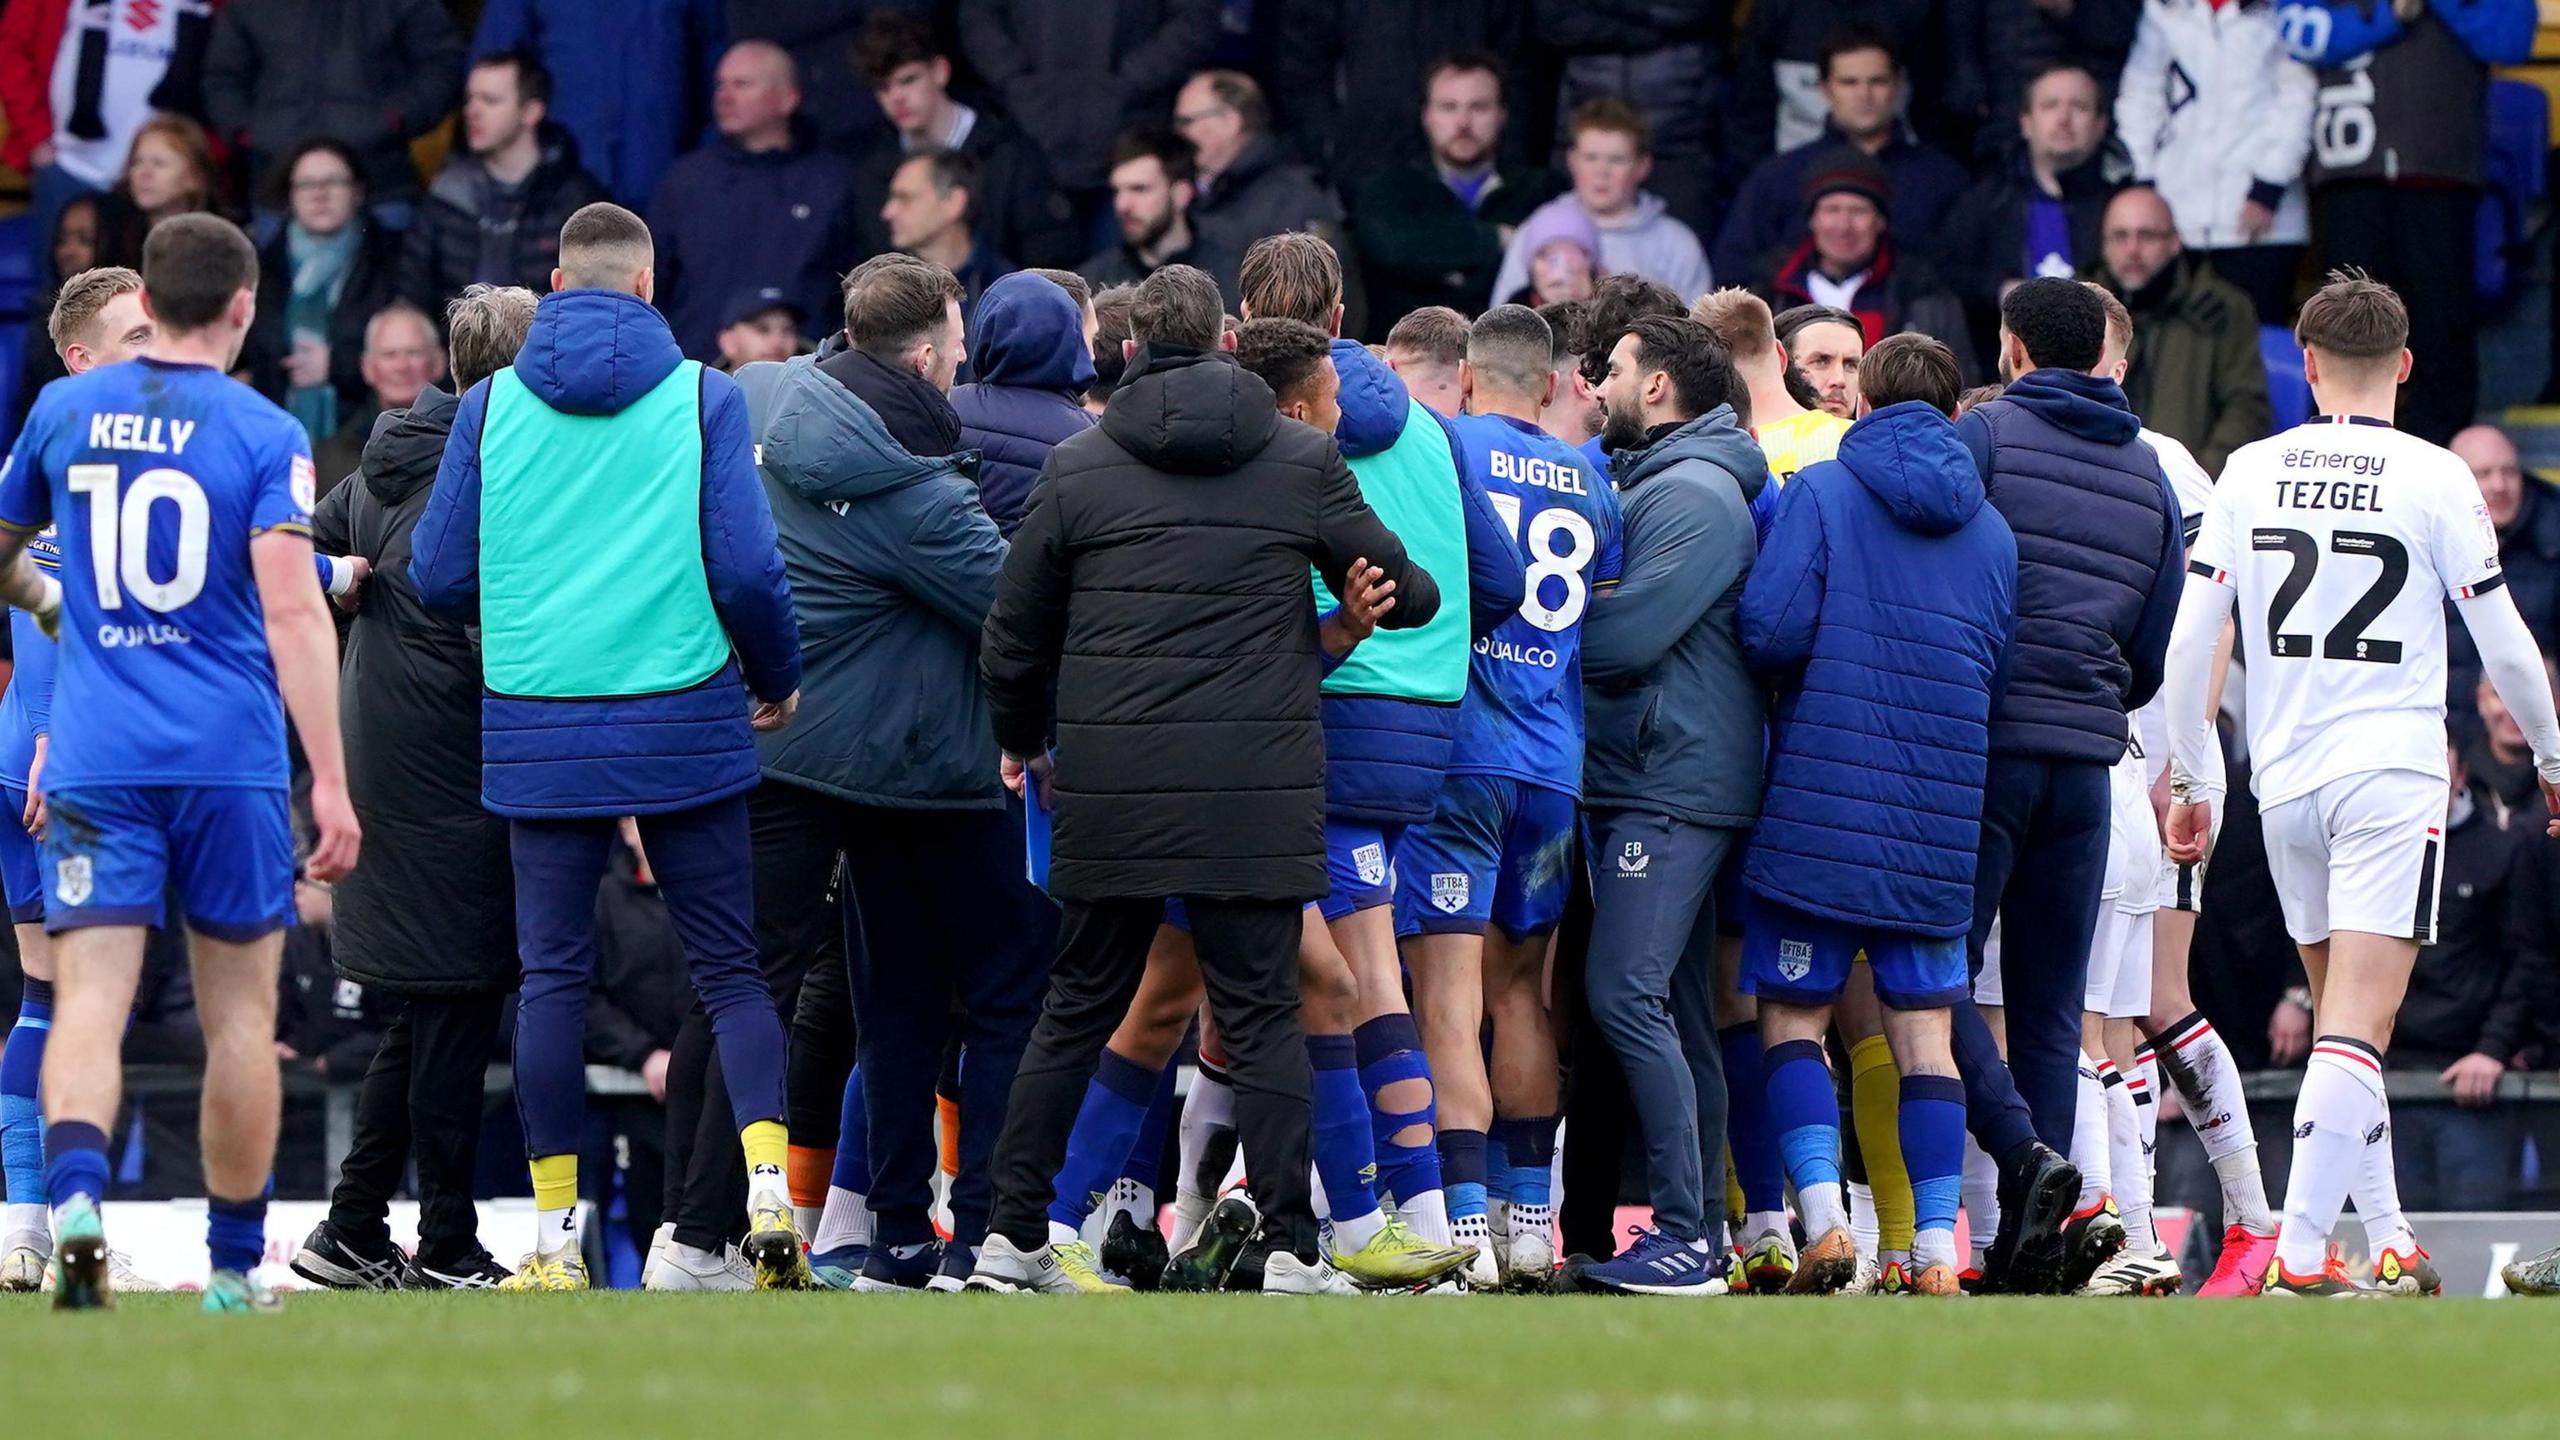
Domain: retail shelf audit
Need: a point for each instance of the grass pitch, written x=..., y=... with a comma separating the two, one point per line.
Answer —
x=484, y=1367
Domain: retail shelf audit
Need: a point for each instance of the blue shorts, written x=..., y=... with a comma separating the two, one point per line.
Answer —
x=113, y=853
x=1498, y=851
x=20, y=878
x=1359, y=865
x=1799, y=959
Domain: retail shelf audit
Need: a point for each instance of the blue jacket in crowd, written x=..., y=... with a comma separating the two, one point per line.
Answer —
x=1026, y=346
x=1385, y=758
x=597, y=352
x=1673, y=720
x=1880, y=606
x=2101, y=561
x=632, y=82
x=728, y=223
x=893, y=568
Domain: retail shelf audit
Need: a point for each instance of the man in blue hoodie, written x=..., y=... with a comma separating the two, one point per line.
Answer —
x=1671, y=771
x=1027, y=351
x=2100, y=554
x=1881, y=609
x=598, y=508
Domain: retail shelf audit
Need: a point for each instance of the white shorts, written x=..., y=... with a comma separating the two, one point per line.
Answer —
x=2119, y=964
x=2365, y=853
x=1986, y=986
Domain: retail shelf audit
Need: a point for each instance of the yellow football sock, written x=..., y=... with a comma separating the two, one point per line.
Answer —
x=1875, y=1094
x=810, y=1170
x=768, y=1147
x=555, y=1182
x=1732, y=1195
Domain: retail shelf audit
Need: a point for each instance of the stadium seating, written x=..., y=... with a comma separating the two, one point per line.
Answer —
x=2285, y=385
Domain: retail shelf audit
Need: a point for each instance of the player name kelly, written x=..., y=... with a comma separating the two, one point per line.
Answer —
x=108, y=431
x=1530, y=470
x=2329, y=495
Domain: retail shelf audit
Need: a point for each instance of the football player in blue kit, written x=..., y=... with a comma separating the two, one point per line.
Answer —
x=189, y=623
x=1481, y=885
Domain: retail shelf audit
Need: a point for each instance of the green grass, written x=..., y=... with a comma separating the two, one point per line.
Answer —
x=483, y=1367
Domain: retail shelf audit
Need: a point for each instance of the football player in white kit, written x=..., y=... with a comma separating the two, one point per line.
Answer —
x=2335, y=542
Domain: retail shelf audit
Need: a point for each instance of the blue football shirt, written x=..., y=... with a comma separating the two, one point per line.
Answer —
x=26, y=710
x=1522, y=715
x=155, y=477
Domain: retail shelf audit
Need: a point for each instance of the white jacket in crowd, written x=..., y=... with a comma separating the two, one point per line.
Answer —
x=2212, y=109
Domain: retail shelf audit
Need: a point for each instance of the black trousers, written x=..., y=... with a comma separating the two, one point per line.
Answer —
x=421, y=1099
x=798, y=925
x=1249, y=959
x=2418, y=240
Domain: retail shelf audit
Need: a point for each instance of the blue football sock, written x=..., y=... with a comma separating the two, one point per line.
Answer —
x=1115, y=1104
x=1931, y=1123
x=1339, y=1134
x=1747, y=1130
x=1390, y=1051
x=1529, y=1144
x=1462, y=1171
x=1497, y=1173
x=853, y=1141
x=21, y=1113
x=1145, y=1165
x=1805, y=1111
x=75, y=1162
x=235, y=1231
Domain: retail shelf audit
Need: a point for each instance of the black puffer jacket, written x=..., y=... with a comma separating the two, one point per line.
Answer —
x=431, y=911
x=1160, y=580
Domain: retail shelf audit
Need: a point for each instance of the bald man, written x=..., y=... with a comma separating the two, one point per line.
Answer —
x=2196, y=375
x=2527, y=515
x=760, y=206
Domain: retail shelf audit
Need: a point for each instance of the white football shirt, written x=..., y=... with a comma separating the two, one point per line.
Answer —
x=2194, y=490
x=2341, y=539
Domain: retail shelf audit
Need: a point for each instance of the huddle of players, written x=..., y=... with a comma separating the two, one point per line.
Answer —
x=2354, y=788
x=173, y=506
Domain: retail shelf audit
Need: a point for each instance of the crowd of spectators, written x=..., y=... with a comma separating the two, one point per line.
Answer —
x=1903, y=164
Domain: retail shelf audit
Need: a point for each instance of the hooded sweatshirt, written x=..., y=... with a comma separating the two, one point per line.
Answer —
x=618, y=505
x=893, y=568
x=1028, y=351
x=1647, y=242
x=1672, y=716
x=1880, y=609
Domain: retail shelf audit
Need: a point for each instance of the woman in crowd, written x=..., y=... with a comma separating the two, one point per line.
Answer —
x=319, y=280
x=169, y=172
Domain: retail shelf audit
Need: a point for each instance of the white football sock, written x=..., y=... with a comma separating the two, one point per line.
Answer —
x=1132, y=1199
x=555, y=1232
x=2341, y=1099
x=1981, y=1190
x=2089, y=1132
x=1427, y=1214
x=2126, y=1168
x=2377, y=1192
x=30, y=1220
x=1820, y=1206
x=2194, y=1059
x=1863, y=1228
x=846, y=1221
x=1761, y=1222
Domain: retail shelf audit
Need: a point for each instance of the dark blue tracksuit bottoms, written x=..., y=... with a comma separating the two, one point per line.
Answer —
x=2042, y=866
x=701, y=859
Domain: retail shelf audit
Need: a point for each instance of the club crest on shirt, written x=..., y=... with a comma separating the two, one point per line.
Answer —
x=71, y=879
x=1449, y=893
x=305, y=484
x=1795, y=959
x=1370, y=861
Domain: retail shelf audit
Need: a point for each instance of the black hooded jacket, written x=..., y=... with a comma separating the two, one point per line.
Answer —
x=1159, y=578
x=431, y=911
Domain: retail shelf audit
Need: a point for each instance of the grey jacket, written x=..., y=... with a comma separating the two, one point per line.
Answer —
x=1674, y=720
x=893, y=568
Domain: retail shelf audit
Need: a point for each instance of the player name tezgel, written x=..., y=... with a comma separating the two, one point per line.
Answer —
x=2328, y=495
x=139, y=432
x=1545, y=474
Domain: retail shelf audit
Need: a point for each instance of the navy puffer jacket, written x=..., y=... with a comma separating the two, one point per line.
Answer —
x=1026, y=346
x=1881, y=608
x=2101, y=561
